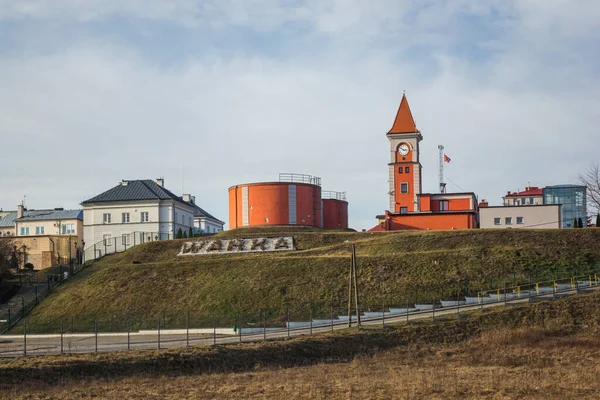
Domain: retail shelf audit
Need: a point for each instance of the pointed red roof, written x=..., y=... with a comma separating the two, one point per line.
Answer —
x=404, y=122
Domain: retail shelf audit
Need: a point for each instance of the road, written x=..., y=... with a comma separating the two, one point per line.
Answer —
x=20, y=345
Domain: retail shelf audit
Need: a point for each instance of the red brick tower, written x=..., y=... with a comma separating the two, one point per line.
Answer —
x=404, y=166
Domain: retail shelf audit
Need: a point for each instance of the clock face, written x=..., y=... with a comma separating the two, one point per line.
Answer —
x=403, y=149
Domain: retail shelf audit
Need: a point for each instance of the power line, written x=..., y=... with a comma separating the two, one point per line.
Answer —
x=455, y=184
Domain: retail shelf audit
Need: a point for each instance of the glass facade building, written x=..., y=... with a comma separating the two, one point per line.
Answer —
x=573, y=200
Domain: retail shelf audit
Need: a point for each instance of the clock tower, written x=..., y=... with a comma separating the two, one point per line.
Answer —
x=404, y=167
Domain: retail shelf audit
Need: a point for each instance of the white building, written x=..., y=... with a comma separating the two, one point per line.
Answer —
x=525, y=216
x=203, y=221
x=133, y=212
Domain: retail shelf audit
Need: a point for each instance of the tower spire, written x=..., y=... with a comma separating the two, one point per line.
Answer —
x=404, y=121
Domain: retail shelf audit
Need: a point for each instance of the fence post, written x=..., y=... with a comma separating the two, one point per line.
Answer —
x=264, y=324
x=96, y=333
x=458, y=305
x=331, y=316
x=158, y=333
x=239, y=326
x=407, y=311
x=62, y=329
x=214, y=321
x=128, y=335
x=24, y=339
x=287, y=312
x=433, y=309
x=36, y=297
x=383, y=314
x=310, y=316
x=505, y=296
x=22, y=306
x=115, y=246
x=187, y=330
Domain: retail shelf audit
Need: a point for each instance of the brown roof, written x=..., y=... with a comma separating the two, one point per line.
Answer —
x=404, y=122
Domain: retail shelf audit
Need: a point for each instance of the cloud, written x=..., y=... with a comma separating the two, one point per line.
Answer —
x=313, y=92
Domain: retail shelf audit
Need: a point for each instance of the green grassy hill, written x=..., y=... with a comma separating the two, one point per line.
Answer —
x=393, y=267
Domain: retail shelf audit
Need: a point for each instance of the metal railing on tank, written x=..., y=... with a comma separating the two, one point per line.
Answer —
x=299, y=178
x=330, y=195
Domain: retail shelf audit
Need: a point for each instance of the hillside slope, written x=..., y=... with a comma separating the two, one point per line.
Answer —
x=393, y=267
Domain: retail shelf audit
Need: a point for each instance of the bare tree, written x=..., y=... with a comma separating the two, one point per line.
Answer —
x=591, y=180
x=6, y=255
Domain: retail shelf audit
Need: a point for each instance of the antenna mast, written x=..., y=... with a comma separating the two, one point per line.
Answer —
x=441, y=170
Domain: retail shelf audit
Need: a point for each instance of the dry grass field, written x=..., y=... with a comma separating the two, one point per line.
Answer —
x=548, y=350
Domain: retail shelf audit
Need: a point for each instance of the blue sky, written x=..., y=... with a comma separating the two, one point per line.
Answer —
x=237, y=91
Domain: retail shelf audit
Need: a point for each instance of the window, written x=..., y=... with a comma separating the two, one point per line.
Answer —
x=400, y=170
x=39, y=230
x=144, y=217
x=519, y=220
x=403, y=210
x=517, y=202
x=67, y=229
x=407, y=170
x=496, y=221
x=25, y=230
x=106, y=218
x=508, y=220
x=531, y=200
x=106, y=238
x=125, y=218
x=404, y=188
x=444, y=205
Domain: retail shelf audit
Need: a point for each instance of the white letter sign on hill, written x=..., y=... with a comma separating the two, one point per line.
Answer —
x=227, y=246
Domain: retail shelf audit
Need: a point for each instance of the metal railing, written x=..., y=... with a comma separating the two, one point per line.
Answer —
x=119, y=244
x=299, y=178
x=330, y=195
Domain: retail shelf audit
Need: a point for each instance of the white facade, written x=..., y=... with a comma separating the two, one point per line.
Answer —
x=523, y=200
x=157, y=219
x=532, y=217
x=115, y=219
x=208, y=225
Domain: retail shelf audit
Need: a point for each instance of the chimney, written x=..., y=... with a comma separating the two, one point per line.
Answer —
x=20, y=211
x=124, y=182
x=160, y=182
x=189, y=198
x=484, y=203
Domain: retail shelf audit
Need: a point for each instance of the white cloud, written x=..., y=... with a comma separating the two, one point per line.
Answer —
x=90, y=114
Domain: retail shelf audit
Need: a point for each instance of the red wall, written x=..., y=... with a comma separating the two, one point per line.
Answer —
x=270, y=201
x=432, y=221
x=335, y=214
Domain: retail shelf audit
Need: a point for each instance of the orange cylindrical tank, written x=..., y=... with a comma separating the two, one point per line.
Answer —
x=335, y=214
x=274, y=203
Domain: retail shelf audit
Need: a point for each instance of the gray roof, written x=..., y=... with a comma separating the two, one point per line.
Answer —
x=134, y=191
x=200, y=212
x=9, y=220
x=52, y=215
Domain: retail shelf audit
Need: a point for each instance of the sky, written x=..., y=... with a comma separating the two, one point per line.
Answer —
x=210, y=94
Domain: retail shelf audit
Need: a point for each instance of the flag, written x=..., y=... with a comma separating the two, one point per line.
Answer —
x=446, y=158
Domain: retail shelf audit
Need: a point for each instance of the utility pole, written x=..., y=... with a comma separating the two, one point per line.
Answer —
x=355, y=286
x=350, y=294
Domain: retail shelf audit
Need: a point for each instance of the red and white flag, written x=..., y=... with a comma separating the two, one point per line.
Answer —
x=446, y=158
